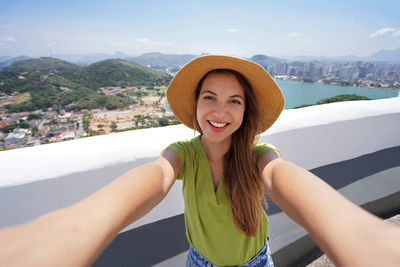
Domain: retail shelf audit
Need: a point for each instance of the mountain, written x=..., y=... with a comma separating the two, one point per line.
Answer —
x=264, y=60
x=381, y=55
x=121, y=55
x=87, y=59
x=385, y=55
x=118, y=72
x=9, y=61
x=156, y=60
x=53, y=81
x=4, y=58
x=43, y=63
x=327, y=59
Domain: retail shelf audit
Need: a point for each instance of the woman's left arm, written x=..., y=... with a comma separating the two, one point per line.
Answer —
x=347, y=233
x=76, y=235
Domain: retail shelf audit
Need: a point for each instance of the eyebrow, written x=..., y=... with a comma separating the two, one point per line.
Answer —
x=232, y=96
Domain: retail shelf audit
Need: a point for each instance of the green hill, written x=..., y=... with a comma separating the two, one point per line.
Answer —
x=338, y=98
x=163, y=61
x=52, y=81
x=43, y=63
x=118, y=72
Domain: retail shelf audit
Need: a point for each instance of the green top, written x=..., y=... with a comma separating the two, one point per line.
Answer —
x=210, y=228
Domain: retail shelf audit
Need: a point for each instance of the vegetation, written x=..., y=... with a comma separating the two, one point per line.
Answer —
x=338, y=98
x=123, y=73
x=9, y=128
x=34, y=130
x=51, y=82
x=43, y=63
x=163, y=121
x=113, y=126
x=148, y=122
x=33, y=116
x=86, y=121
x=134, y=128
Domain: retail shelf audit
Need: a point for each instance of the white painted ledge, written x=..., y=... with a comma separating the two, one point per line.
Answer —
x=311, y=137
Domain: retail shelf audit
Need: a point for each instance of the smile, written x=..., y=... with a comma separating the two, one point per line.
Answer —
x=218, y=124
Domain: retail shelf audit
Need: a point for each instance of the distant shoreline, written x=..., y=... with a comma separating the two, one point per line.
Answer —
x=165, y=105
x=368, y=87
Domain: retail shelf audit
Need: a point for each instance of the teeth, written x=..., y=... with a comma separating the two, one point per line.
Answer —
x=219, y=125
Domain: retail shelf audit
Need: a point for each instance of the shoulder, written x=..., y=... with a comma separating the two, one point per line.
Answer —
x=260, y=148
x=182, y=144
x=269, y=156
x=182, y=148
x=180, y=152
x=264, y=154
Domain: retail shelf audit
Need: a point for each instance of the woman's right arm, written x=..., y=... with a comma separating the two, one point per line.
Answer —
x=75, y=236
x=347, y=233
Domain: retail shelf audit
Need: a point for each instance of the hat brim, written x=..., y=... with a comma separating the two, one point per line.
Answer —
x=181, y=92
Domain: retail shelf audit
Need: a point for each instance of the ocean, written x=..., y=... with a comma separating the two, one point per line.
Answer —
x=300, y=93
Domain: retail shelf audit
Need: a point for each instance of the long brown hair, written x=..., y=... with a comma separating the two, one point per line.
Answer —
x=242, y=181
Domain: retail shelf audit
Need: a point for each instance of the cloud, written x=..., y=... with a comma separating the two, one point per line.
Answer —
x=117, y=44
x=143, y=40
x=385, y=31
x=293, y=34
x=7, y=39
x=232, y=30
x=148, y=41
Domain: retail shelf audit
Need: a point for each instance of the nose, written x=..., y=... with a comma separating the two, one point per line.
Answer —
x=219, y=109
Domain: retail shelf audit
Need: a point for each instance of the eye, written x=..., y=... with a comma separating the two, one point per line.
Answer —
x=208, y=97
x=235, y=101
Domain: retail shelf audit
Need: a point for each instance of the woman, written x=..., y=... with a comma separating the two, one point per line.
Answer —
x=228, y=100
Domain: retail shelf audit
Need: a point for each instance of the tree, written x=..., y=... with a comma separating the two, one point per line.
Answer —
x=23, y=125
x=35, y=130
x=86, y=121
x=113, y=126
x=163, y=122
x=9, y=128
x=33, y=116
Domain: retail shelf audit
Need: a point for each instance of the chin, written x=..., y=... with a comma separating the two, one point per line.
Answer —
x=213, y=137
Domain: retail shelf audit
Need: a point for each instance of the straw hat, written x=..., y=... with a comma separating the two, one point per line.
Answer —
x=181, y=92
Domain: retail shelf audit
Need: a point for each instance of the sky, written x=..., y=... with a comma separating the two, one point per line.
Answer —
x=244, y=28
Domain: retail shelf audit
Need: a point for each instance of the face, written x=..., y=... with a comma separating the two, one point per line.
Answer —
x=220, y=107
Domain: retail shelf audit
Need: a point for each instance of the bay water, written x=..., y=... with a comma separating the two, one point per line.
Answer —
x=301, y=93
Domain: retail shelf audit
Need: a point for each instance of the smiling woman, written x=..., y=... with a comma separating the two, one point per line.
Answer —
x=228, y=116
x=220, y=105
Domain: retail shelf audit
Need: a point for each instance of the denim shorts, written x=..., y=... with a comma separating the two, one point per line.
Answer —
x=262, y=259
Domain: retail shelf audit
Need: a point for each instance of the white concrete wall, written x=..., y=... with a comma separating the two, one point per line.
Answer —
x=310, y=137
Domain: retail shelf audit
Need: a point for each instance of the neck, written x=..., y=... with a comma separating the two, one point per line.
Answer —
x=215, y=150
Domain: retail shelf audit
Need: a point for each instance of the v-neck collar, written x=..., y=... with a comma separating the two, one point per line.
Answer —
x=216, y=194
